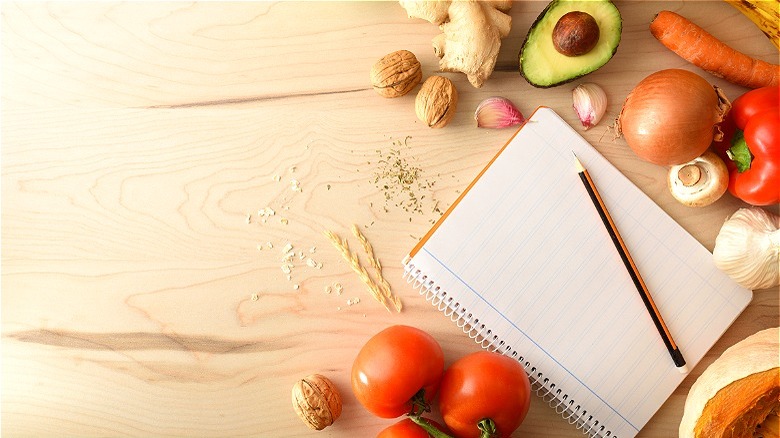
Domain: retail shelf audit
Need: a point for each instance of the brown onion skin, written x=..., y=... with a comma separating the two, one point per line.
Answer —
x=670, y=117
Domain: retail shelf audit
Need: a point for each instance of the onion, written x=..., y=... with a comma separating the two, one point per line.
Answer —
x=671, y=117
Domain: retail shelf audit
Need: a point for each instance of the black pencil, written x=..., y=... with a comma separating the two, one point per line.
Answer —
x=674, y=350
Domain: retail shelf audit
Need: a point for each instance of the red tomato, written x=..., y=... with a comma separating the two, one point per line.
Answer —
x=481, y=386
x=393, y=367
x=407, y=428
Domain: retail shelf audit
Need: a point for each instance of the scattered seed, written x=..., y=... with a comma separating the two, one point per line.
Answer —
x=255, y=297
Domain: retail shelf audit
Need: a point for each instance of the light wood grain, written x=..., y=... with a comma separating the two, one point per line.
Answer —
x=138, y=137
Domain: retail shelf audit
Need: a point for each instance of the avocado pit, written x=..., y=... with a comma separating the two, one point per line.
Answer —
x=543, y=65
x=576, y=33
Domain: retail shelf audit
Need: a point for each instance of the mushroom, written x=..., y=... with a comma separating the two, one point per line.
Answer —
x=699, y=182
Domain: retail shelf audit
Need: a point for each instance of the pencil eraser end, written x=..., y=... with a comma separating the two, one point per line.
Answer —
x=683, y=369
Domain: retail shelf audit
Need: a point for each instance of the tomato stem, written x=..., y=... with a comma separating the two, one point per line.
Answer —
x=488, y=428
x=428, y=427
x=419, y=404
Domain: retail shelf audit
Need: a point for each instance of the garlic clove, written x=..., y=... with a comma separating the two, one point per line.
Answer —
x=590, y=103
x=496, y=113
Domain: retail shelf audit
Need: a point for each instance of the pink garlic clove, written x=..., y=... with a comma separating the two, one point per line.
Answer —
x=590, y=103
x=496, y=113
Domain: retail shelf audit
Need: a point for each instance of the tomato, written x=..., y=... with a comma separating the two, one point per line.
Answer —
x=407, y=428
x=397, y=370
x=482, y=386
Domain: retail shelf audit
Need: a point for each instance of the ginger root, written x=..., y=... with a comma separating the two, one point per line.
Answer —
x=471, y=33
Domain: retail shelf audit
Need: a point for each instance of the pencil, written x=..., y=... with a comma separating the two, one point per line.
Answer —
x=641, y=287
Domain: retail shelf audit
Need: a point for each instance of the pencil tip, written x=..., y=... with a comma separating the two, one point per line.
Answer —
x=577, y=162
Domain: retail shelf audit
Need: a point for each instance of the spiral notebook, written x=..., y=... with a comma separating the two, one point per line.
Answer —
x=522, y=262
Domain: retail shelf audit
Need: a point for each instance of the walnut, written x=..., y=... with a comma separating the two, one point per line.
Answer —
x=436, y=101
x=316, y=401
x=396, y=74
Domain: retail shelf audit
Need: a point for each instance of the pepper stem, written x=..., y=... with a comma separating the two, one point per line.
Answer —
x=488, y=428
x=739, y=152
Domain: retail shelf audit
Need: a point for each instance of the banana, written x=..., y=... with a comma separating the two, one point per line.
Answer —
x=763, y=13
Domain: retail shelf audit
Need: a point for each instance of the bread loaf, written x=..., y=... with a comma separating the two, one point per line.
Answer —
x=737, y=392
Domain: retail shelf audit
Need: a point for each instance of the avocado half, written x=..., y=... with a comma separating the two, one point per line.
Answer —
x=543, y=66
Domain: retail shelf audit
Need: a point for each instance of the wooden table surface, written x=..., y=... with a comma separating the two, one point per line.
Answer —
x=140, y=292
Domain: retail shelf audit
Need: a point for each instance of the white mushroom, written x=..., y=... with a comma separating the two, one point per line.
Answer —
x=699, y=182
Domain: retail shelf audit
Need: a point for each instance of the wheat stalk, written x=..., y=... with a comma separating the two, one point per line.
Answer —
x=354, y=262
x=384, y=285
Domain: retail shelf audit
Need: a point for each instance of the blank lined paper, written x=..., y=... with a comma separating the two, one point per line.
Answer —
x=524, y=252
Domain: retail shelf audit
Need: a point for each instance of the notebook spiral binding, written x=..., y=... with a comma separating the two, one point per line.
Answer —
x=548, y=391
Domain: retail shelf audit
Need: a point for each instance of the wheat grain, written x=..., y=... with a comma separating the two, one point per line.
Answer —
x=382, y=282
x=354, y=263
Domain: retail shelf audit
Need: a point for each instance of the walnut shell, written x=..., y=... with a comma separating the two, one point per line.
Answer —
x=396, y=74
x=316, y=401
x=436, y=101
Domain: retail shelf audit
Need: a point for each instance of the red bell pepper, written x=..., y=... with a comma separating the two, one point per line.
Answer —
x=751, y=146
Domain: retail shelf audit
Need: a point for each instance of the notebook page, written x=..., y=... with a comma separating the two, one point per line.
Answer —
x=525, y=251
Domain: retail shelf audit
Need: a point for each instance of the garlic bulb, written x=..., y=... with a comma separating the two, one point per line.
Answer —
x=590, y=103
x=748, y=248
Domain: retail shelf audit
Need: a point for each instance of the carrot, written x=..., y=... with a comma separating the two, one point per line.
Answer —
x=703, y=50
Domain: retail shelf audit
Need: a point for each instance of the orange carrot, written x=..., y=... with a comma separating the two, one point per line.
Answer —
x=703, y=50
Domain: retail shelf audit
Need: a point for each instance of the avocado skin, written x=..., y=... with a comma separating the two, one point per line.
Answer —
x=539, y=19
